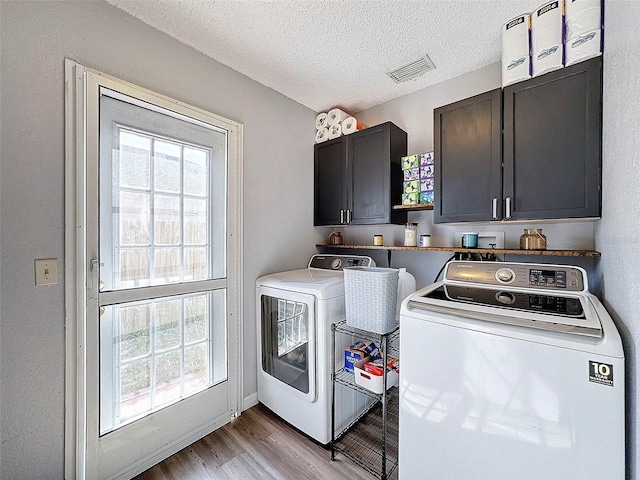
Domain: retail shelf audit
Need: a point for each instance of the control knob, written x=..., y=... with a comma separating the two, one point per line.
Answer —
x=505, y=275
x=506, y=298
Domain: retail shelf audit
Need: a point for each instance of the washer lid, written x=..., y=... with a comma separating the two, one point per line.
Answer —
x=573, y=314
x=519, y=300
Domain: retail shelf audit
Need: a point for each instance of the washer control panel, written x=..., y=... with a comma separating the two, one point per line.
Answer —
x=338, y=262
x=521, y=275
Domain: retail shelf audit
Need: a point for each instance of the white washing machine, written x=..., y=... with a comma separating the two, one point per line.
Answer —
x=510, y=370
x=295, y=310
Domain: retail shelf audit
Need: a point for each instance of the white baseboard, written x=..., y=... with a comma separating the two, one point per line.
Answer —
x=250, y=401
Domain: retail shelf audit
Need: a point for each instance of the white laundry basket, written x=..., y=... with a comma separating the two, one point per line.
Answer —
x=370, y=295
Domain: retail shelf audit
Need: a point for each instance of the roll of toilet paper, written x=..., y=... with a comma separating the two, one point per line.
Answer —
x=350, y=125
x=322, y=135
x=335, y=131
x=322, y=120
x=547, y=43
x=516, y=61
x=336, y=116
x=583, y=30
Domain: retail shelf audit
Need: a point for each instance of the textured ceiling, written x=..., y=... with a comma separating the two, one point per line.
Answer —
x=327, y=53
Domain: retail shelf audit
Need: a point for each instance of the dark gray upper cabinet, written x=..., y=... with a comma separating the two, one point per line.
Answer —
x=552, y=144
x=551, y=150
x=468, y=159
x=358, y=177
x=330, y=160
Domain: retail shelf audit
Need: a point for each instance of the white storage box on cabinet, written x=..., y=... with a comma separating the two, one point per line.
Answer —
x=373, y=382
x=370, y=295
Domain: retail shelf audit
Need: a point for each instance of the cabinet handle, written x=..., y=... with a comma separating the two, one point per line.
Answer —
x=507, y=202
x=341, y=215
x=494, y=208
x=348, y=216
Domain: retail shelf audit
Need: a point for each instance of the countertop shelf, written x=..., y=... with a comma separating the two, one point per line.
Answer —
x=497, y=251
x=420, y=206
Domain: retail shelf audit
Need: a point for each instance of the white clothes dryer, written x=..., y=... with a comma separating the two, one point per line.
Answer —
x=295, y=310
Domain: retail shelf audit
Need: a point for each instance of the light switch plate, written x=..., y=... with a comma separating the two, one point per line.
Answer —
x=46, y=271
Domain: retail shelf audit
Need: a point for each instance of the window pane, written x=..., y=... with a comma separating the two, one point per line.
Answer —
x=135, y=218
x=166, y=220
x=135, y=389
x=168, y=386
x=196, y=171
x=135, y=338
x=195, y=316
x=167, y=167
x=134, y=267
x=153, y=353
x=172, y=209
x=195, y=222
x=135, y=155
x=168, y=319
x=195, y=264
x=195, y=363
x=167, y=266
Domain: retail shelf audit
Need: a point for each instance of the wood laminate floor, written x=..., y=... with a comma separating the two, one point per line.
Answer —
x=257, y=445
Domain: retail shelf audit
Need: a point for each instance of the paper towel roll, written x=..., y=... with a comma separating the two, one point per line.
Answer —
x=322, y=135
x=336, y=116
x=350, y=125
x=335, y=131
x=321, y=120
x=582, y=17
x=547, y=43
x=583, y=30
x=583, y=47
x=516, y=61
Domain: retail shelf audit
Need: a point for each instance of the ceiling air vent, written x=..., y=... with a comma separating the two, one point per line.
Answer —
x=412, y=70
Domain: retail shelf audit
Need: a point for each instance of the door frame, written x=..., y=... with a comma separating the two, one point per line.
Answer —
x=78, y=121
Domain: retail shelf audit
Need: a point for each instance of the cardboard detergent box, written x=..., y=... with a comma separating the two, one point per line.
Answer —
x=351, y=356
x=360, y=350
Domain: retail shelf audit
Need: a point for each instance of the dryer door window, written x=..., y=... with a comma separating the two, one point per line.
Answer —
x=288, y=340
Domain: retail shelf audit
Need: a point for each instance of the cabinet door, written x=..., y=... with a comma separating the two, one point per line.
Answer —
x=468, y=159
x=375, y=174
x=552, y=144
x=330, y=196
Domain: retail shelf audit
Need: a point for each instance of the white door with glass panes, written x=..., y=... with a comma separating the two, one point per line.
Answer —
x=162, y=255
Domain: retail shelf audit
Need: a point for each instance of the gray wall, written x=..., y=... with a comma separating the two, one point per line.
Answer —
x=36, y=37
x=618, y=233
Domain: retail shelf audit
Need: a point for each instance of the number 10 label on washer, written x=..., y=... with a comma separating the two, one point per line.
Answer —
x=601, y=373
